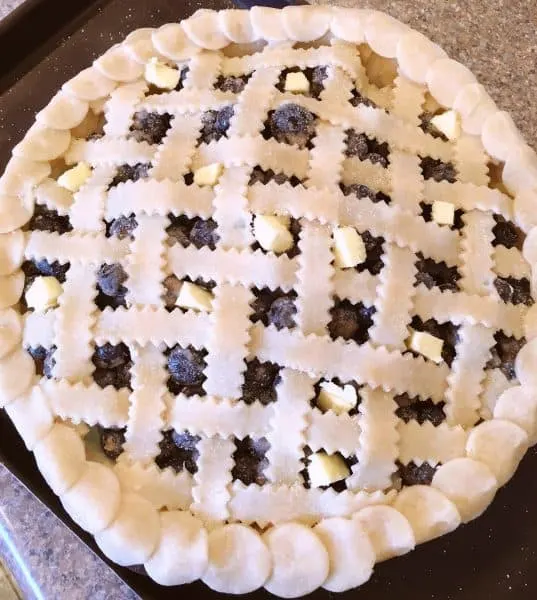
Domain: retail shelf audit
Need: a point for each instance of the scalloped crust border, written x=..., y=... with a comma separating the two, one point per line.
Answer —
x=175, y=546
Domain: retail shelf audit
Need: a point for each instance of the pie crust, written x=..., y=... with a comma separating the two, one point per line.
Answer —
x=208, y=524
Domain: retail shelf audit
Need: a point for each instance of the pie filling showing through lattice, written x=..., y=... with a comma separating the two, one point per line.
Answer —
x=267, y=293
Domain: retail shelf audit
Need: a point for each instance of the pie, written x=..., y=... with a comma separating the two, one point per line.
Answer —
x=267, y=297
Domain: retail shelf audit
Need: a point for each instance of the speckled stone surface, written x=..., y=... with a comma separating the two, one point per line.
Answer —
x=46, y=559
x=496, y=40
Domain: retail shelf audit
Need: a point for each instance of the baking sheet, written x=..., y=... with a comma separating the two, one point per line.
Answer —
x=492, y=558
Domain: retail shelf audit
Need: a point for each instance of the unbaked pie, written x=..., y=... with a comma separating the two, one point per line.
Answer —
x=268, y=312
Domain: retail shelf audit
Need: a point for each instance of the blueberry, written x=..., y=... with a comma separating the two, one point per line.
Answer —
x=223, y=119
x=54, y=269
x=514, y=291
x=178, y=451
x=49, y=363
x=356, y=144
x=122, y=227
x=45, y=219
x=250, y=460
x=281, y=313
x=350, y=321
x=43, y=359
x=110, y=357
x=185, y=440
x=438, y=170
x=411, y=474
x=150, y=127
x=203, y=233
x=186, y=366
x=130, y=173
x=110, y=279
x=260, y=380
x=216, y=123
x=38, y=353
x=507, y=234
x=112, y=441
x=292, y=124
x=231, y=84
x=434, y=274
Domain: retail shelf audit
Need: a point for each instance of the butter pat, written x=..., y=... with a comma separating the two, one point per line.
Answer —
x=297, y=83
x=426, y=344
x=325, y=469
x=43, y=293
x=272, y=233
x=74, y=178
x=448, y=123
x=194, y=297
x=349, y=248
x=336, y=398
x=443, y=212
x=161, y=75
x=208, y=175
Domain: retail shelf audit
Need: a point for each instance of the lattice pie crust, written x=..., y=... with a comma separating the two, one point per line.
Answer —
x=280, y=531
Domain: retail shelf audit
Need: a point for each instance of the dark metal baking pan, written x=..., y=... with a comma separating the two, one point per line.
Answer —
x=44, y=43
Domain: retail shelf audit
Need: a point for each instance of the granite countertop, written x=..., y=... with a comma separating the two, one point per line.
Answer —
x=496, y=40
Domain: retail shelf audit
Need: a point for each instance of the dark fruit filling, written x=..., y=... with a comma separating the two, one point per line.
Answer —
x=507, y=234
x=419, y=410
x=112, y=441
x=43, y=359
x=122, y=227
x=260, y=381
x=113, y=364
x=291, y=124
x=110, y=279
x=232, y=84
x=274, y=308
x=438, y=170
x=150, y=127
x=195, y=231
x=46, y=219
x=514, y=291
x=260, y=176
x=362, y=191
x=250, y=460
x=130, y=173
x=434, y=274
x=215, y=124
x=178, y=451
x=504, y=353
x=350, y=321
x=358, y=144
x=186, y=366
x=412, y=474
